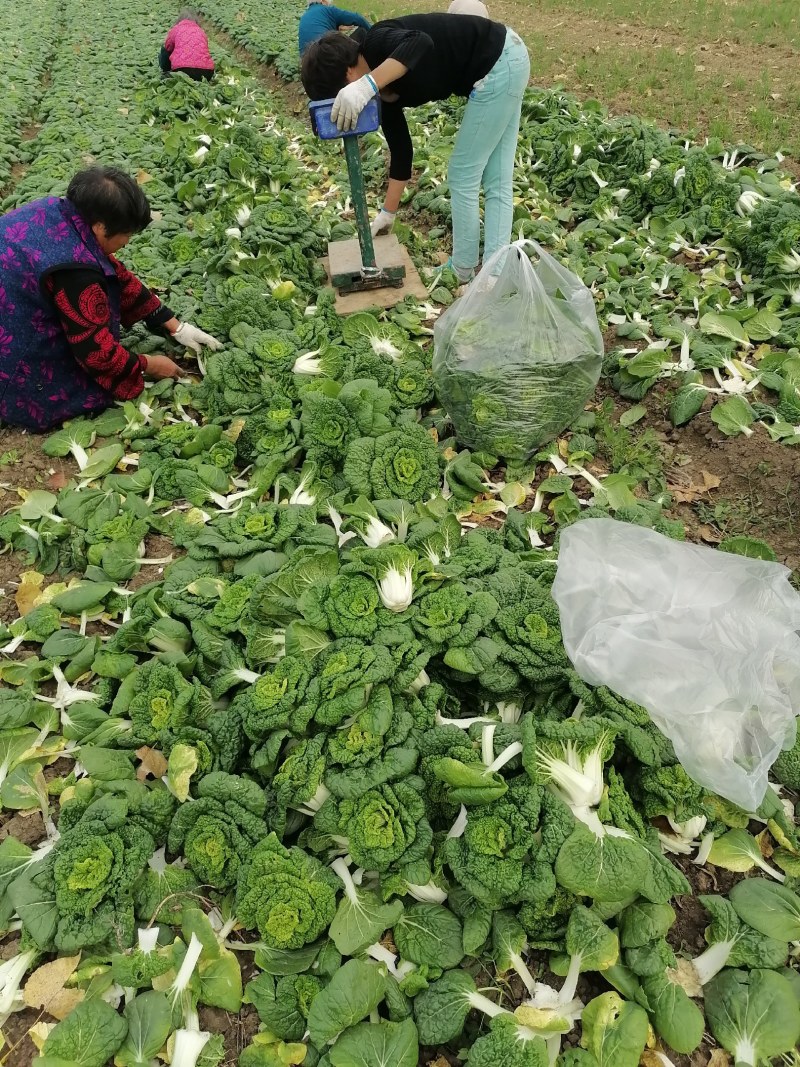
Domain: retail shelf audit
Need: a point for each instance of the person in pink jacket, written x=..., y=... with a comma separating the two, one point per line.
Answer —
x=186, y=49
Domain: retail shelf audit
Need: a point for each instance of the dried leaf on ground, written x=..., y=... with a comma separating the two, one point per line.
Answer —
x=719, y=1059
x=45, y=987
x=152, y=764
x=29, y=591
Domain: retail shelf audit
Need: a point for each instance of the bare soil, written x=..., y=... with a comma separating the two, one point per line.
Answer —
x=238, y=1030
x=759, y=490
x=19, y=1050
x=25, y=827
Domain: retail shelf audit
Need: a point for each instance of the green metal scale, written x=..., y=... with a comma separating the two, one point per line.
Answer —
x=355, y=268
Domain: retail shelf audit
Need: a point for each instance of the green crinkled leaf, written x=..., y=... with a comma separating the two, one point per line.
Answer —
x=220, y=982
x=149, y=1018
x=430, y=934
x=382, y=1044
x=764, y=325
x=676, y=1018
x=724, y=326
x=733, y=416
x=82, y=597
x=353, y=992
x=91, y=1034
x=614, y=1031
x=750, y=547
x=605, y=869
x=687, y=403
x=754, y=1015
x=361, y=922
x=102, y=461
x=770, y=908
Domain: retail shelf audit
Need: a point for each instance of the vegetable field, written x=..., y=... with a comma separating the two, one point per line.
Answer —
x=294, y=767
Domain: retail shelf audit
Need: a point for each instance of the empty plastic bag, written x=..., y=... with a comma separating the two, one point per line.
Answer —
x=706, y=641
x=517, y=357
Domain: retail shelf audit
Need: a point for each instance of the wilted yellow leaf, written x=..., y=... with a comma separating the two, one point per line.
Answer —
x=488, y=507
x=233, y=431
x=29, y=592
x=39, y=1033
x=685, y=975
x=719, y=1059
x=513, y=494
x=45, y=987
x=152, y=762
x=651, y=1058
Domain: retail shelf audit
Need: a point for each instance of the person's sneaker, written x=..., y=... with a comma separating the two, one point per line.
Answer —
x=464, y=277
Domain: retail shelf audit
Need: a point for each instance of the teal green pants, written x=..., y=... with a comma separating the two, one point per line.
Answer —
x=483, y=155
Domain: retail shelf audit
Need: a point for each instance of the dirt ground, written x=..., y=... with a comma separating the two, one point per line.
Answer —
x=758, y=493
x=727, y=68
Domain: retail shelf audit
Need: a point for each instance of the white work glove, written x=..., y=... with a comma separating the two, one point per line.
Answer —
x=191, y=337
x=351, y=101
x=383, y=222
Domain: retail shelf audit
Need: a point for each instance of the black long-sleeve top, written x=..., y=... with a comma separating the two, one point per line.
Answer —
x=81, y=299
x=445, y=55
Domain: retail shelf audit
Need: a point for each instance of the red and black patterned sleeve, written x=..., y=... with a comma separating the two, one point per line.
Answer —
x=82, y=305
x=138, y=302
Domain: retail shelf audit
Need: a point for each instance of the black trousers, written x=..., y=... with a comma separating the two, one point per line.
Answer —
x=195, y=73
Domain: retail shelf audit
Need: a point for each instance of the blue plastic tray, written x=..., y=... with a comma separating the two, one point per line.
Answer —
x=325, y=128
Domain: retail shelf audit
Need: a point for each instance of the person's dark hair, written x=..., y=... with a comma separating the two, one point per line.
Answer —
x=110, y=196
x=325, y=64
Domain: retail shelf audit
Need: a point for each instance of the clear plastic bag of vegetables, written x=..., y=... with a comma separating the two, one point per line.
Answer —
x=517, y=357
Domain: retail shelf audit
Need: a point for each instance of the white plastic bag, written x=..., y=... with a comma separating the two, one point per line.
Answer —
x=706, y=641
x=517, y=357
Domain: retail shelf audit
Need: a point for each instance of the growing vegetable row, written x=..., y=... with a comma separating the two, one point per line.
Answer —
x=267, y=30
x=26, y=37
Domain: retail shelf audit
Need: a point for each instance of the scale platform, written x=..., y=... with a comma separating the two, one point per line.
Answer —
x=343, y=263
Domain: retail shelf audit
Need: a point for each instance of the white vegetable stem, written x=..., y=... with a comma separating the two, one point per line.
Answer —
x=184, y=975
x=521, y=967
x=342, y=870
x=488, y=1007
x=396, y=588
x=578, y=782
x=427, y=894
x=188, y=1046
x=312, y=806
x=11, y=974
x=148, y=939
x=460, y=825
x=462, y=724
x=505, y=757
x=710, y=963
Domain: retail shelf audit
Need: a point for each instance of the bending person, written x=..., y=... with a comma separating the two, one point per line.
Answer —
x=417, y=59
x=321, y=17
x=186, y=51
x=64, y=297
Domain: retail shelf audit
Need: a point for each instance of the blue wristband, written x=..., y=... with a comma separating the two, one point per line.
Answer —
x=373, y=83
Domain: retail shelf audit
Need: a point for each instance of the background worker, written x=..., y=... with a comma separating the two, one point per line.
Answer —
x=64, y=297
x=186, y=50
x=417, y=59
x=321, y=17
